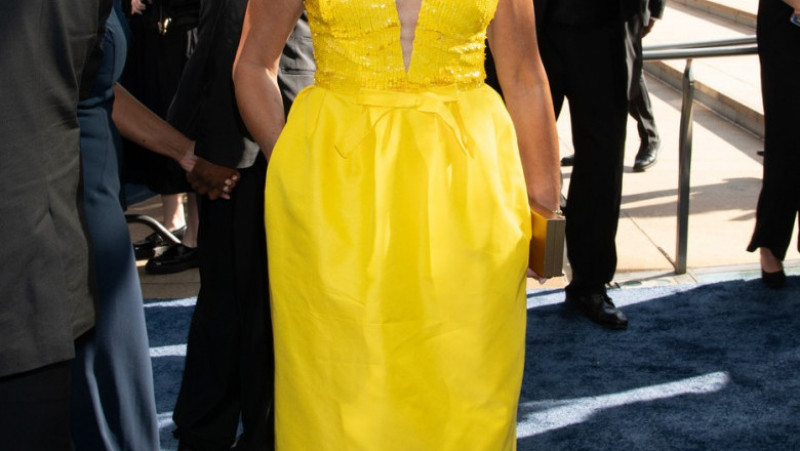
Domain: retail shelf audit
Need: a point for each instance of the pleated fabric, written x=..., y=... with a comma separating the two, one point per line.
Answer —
x=397, y=229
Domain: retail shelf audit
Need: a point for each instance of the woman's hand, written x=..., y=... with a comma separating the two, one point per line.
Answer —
x=138, y=6
x=188, y=160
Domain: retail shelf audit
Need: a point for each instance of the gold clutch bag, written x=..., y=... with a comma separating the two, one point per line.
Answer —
x=547, y=241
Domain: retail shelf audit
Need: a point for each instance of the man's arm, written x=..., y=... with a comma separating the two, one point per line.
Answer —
x=220, y=129
x=206, y=103
x=140, y=125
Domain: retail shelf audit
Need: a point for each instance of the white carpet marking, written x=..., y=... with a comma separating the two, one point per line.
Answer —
x=168, y=351
x=186, y=302
x=538, y=417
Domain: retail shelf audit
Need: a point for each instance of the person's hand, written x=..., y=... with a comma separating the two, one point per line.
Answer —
x=211, y=179
x=649, y=27
x=188, y=160
x=138, y=6
x=531, y=274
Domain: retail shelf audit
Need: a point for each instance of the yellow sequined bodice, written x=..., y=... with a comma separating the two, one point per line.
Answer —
x=357, y=44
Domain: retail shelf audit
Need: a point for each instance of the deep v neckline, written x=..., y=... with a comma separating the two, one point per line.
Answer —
x=412, y=50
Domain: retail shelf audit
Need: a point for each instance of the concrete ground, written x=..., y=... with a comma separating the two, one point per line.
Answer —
x=725, y=169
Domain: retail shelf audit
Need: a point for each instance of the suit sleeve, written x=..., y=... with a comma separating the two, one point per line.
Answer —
x=656, y=8
x=219, y=128
x=297, y=63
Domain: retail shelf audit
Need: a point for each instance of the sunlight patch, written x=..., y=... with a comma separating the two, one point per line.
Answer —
x=538, y=417
x=168, y=351
x=185, y=302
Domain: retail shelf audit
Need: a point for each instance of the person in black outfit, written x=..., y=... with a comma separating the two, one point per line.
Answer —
x=779, y=201
x=641, y=110
x=163, y=36
x=592, y=54
x=640, y=107
x=228, y=376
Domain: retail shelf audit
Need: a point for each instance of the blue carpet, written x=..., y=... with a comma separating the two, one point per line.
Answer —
x=701, y=367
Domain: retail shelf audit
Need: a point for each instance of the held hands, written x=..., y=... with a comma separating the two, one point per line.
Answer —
x=212, y=179
x=188, y=160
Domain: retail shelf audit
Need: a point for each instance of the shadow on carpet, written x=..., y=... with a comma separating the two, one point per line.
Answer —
x=701, y=367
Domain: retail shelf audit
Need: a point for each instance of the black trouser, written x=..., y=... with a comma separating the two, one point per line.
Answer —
x=34, y=409
x=229, y=359
x=779, y=201
x=586, y=65
x=641, y=110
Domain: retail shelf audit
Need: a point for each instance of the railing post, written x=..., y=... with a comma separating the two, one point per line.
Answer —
x=684, y=169
x=727, y=47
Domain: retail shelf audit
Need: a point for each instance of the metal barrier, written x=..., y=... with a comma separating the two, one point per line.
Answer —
x=154, y=225
x=689, y=51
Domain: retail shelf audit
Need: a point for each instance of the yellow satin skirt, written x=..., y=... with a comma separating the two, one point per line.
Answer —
x=398, y=228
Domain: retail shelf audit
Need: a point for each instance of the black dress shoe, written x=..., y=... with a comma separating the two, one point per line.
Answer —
x=773, y=280
x=568, y=160
x=645, y=158
x=176, y=258
x=154, y=244
x=600, y=309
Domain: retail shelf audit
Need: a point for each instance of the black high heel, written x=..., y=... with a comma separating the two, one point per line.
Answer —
x=773, y=280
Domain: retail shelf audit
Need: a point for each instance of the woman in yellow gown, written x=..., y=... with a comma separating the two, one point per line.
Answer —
x=397, y=218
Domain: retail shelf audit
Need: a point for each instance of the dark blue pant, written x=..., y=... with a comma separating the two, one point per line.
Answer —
x=113, y=400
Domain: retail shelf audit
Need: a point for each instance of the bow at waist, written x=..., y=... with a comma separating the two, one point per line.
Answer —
x=377, y=105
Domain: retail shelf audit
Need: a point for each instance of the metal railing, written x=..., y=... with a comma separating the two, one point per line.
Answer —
x=154, y=225
x=689, y=51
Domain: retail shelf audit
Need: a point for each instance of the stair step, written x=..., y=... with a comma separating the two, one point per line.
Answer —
x=728, y=85
x=742, y=12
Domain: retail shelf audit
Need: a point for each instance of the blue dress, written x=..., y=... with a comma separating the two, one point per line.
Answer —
x=113, y=401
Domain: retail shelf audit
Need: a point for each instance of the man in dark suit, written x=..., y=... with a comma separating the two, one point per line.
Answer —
x=228, y=374
x=592, y=54
x=640, y=109
x=45, y=298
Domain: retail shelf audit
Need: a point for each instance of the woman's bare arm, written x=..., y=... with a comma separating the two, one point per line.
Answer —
x=267, y=26
x=793, y=3
x=512, y=38
x=137, y=123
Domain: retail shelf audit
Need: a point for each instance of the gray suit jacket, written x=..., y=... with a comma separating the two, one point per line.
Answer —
x=45, y=301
